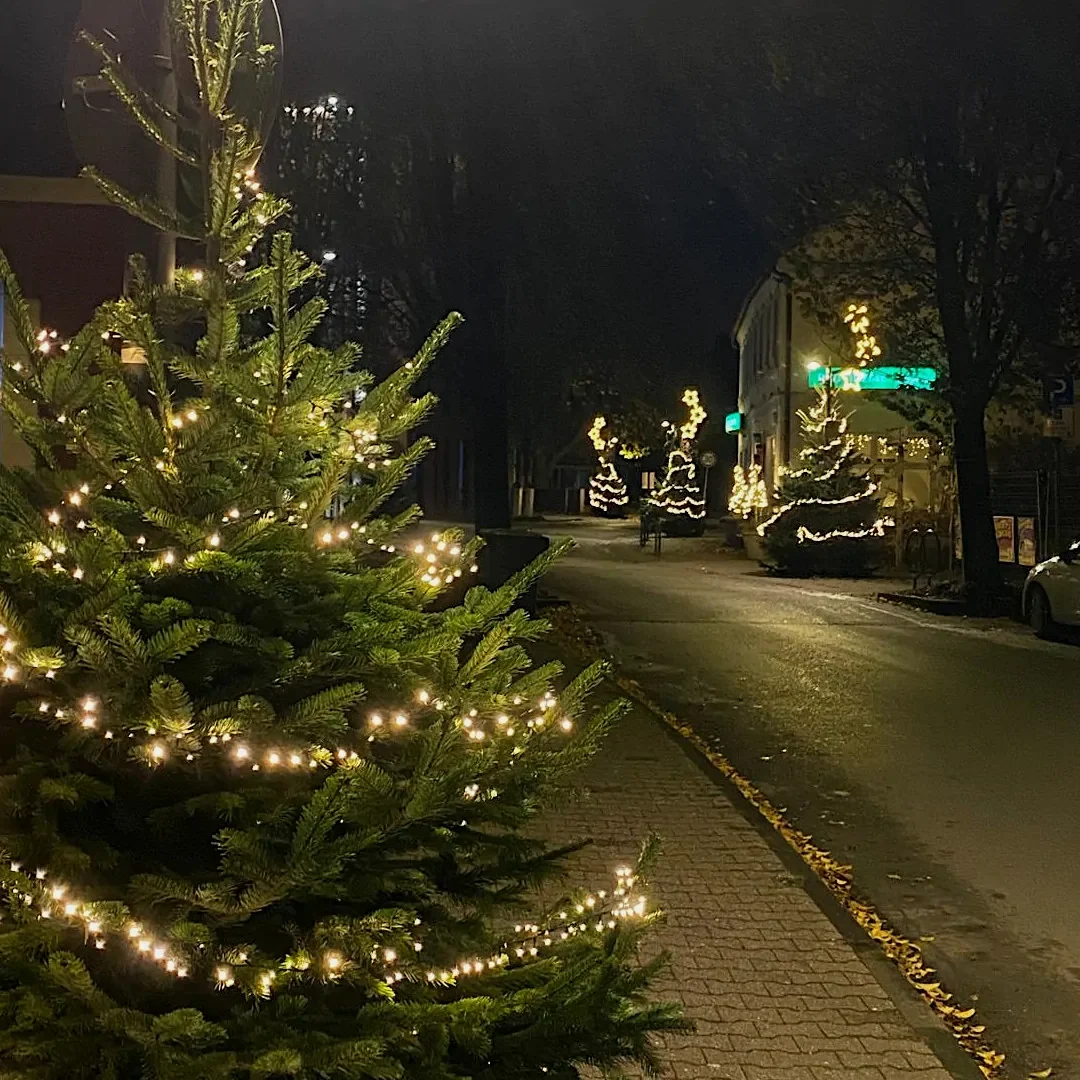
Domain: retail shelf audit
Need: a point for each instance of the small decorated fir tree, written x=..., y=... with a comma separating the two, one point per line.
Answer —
x=679, y=497
x=827, y=517
x=262, y=810
x=607, y=489
x=748, y=491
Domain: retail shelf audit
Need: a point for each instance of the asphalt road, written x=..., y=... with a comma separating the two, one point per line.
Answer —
x=940, y=757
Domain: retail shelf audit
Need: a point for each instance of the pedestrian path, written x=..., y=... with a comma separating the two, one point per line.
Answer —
x=776, y=991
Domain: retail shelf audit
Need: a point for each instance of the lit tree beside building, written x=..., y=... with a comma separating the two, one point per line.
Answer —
x=827, y=518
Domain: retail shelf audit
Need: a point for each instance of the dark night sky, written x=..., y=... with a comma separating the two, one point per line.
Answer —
x=601, y=114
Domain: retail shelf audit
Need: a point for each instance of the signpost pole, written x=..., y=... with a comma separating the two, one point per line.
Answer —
x=165, y=262
x=1060, y=395
x=708, y=460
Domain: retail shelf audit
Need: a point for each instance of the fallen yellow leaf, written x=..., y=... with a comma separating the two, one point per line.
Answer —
x=1042, y=1074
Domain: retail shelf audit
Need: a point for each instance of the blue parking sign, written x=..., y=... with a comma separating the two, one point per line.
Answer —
x=1060, y=390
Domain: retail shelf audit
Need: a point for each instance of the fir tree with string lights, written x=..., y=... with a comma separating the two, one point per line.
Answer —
x=826, y=520
x=261, y=808
x=607, y=489
x=679, y=497
x=748, y=491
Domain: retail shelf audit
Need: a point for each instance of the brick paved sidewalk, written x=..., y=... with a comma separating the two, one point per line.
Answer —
x=776, y=991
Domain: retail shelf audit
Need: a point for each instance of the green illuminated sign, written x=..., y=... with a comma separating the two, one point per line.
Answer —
x=875, y=378
x=733, y=423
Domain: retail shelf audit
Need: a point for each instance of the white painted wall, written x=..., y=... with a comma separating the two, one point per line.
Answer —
x=776, y=344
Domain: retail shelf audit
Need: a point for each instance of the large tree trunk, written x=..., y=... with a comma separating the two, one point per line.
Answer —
x=982, y=572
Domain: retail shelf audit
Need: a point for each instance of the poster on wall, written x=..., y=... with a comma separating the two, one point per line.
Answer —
x=1025, y=533
x=1005, y=530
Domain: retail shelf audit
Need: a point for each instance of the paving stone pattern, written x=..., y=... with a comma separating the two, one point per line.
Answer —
x=775, y=991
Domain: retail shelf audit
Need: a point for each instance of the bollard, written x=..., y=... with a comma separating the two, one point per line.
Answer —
x=505, y=552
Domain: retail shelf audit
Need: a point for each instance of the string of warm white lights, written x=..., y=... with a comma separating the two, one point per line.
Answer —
x=679, y=494
x=804, y=535
x=867, y=348
x=692, y=400
x=436, y=570
x=160, y=748
x=818, y=418
x=596, y=434
x=828, y=474
x=443, y=564
x=607, y=490
x=748, y=491
x=912, y=445
x=102, y=927
x=870, y=490
x=108, y=922
x=101, y=922
x=327, y=106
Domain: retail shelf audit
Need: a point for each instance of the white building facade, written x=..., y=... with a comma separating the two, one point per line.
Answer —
x=779, y=350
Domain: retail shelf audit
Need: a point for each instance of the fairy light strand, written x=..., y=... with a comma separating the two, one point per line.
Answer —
x=52, y=899
x=102, y=926
x=692, y=400
x=157, y=747
x=867, y=348
x=867, y=493
x=748, y=491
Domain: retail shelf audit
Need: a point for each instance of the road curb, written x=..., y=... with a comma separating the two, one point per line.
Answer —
x=934, y=604
x=931, y=1030
x=951, y=1032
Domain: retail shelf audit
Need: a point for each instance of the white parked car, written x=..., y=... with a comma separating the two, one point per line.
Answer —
x=1052, y=592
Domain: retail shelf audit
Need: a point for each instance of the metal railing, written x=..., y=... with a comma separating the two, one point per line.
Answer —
x=926, y=553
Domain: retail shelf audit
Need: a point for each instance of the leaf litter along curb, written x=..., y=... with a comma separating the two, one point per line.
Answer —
x=963, y=1023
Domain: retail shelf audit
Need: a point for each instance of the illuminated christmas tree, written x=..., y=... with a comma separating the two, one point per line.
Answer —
x=607, y=490
x=679, y=496
x=827, y=518
x=262, y=810
x=748, y=491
